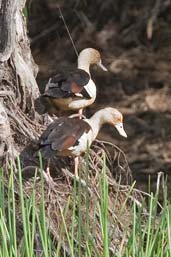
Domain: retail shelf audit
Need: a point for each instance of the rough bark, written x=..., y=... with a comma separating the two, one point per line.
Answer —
x=18, y=87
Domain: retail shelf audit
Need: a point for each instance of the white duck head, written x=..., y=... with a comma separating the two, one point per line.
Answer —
x=90, y=56
x=107, y=115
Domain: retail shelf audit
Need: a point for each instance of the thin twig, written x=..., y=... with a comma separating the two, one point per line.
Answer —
x=69, y=34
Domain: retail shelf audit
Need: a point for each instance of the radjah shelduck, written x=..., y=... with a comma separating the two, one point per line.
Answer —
x=75, y=90
x=69, y=136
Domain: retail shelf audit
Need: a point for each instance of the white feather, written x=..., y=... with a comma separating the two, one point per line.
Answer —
x=85, y=140
x=91, y=88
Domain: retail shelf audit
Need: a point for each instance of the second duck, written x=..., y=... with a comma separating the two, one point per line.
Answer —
x=75, y=90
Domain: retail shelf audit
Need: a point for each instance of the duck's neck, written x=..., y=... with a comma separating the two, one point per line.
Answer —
x=84, y=64
x=96, y=122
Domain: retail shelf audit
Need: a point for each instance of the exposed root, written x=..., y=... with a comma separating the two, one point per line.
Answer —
x=7, y=149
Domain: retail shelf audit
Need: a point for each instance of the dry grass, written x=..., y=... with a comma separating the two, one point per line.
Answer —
x=64, y=192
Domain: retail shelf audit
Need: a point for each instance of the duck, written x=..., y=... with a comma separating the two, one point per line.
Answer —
x=69, y=136
x=74, y=90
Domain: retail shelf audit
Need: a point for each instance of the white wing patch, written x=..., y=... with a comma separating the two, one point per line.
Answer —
x=78, y=94
x=71, y=148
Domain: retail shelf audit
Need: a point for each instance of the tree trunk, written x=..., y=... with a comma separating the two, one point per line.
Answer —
x=18, y=87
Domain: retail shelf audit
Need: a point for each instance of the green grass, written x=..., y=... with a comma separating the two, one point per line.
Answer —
x=22, y=220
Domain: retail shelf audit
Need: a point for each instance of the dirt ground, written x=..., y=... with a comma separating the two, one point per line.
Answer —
x=135, y=41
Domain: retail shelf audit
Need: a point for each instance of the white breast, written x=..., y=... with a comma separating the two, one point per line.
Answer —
x=84, y=141
x=91, y=88
x=82, y=103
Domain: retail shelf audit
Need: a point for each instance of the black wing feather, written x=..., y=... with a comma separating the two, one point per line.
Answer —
x=60, y=86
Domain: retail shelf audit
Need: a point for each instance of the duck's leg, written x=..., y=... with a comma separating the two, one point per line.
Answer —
x=80, y=113
x=77, y=115
x=48, y=171
x=48, y=178
x=76, y=163
x=76, y=160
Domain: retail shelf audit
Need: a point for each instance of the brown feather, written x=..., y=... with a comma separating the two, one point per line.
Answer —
x=62, y=134
x=75, y=88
